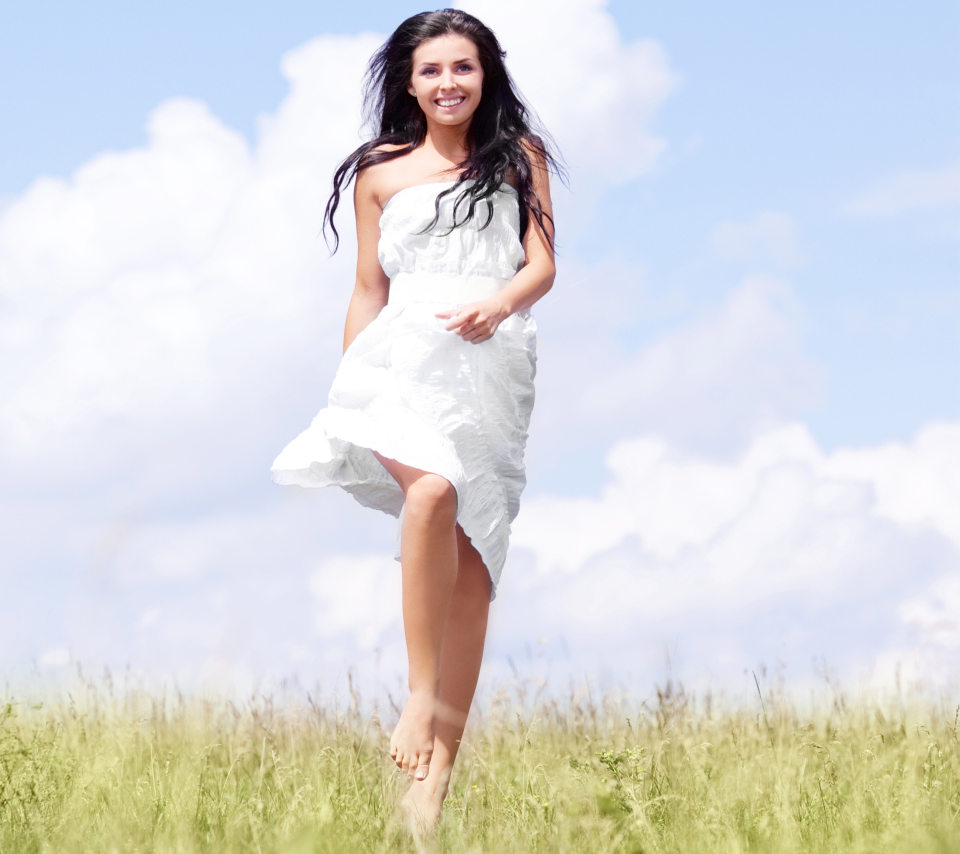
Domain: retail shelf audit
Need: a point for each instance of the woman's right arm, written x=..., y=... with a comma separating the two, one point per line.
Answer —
x=372, y=286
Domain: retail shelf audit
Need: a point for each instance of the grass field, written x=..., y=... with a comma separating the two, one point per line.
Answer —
x=99, y=772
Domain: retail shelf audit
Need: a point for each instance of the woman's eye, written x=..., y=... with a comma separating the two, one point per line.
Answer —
x=462, y=68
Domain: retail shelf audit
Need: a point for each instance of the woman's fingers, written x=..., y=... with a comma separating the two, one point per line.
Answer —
x=452, y=315
x=459, y=316
x=467, y=323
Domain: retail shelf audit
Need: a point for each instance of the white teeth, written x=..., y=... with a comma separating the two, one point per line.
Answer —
x=449, y=102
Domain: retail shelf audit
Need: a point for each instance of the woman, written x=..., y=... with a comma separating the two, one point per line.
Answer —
x=428, y=413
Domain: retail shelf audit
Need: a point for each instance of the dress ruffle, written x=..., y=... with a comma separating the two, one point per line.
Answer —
x=418, y=393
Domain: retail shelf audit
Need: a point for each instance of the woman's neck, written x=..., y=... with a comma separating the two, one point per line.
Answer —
x=448, y=143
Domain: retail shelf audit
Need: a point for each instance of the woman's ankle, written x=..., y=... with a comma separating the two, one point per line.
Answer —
x=437, y=784
x=424, y=687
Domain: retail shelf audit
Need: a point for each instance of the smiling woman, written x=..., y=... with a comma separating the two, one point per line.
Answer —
x=429, y=410
x=447, y=76
x=452, y=57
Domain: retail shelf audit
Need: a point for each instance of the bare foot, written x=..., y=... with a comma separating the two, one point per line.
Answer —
x=422, y=807
x=411, y=745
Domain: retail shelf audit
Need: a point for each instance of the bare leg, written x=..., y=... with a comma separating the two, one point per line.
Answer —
x=428, y=557
x=462, y=652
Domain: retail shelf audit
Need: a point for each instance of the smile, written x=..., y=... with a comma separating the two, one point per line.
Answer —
x=450, y=102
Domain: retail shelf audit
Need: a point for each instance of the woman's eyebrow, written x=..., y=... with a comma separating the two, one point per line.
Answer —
x=437, y=62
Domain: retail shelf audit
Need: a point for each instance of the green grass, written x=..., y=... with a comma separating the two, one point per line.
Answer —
x=141, y=773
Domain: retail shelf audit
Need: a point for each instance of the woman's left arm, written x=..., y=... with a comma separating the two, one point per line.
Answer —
x=478, y=321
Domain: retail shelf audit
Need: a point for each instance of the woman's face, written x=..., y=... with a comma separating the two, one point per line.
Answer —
x=447, y=79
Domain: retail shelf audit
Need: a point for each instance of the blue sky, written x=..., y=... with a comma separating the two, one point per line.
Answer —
x=788, y=258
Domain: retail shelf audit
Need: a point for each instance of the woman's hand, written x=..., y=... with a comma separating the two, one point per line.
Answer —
x=477, y=321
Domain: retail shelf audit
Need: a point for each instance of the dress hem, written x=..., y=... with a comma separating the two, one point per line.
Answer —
x=364, y=489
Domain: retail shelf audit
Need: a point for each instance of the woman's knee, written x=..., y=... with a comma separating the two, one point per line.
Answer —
x=431, y=496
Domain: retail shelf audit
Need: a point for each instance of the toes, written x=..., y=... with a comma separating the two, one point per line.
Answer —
x=422, y=768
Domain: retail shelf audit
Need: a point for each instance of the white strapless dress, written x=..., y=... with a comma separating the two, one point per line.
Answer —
x=417, y=393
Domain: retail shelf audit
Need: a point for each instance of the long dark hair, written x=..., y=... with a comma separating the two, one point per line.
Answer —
x=502, y=131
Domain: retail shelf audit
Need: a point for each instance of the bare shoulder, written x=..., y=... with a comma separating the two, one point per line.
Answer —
x=380, y=180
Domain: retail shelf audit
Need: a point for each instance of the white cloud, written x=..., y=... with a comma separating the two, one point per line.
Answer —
x=357, y=595
x=935, y=615
x=270, y=590
x=912, y=189
x=916, y=485
x=682, y=542
x=673, y=502
x=595, y=93
x=160, y=285
x=55, y=658
x=768, y=237
x=744, y=356
x=708, y=383
x=141, y=208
